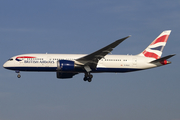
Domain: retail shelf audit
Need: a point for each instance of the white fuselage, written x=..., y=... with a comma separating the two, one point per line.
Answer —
x=48, y=62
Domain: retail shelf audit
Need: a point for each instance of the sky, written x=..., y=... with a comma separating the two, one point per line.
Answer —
x=82, y=27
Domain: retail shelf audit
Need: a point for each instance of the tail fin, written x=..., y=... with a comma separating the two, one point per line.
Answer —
x=154, y=50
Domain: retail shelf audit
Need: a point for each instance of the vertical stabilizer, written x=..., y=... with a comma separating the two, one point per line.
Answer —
x=154, y=50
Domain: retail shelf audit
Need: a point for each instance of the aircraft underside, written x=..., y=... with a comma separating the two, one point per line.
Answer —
x=54, y=69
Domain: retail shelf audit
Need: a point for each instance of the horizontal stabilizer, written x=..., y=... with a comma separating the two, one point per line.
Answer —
x=162, y=59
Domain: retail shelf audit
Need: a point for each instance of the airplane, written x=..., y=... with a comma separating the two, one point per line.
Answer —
x=68, y=65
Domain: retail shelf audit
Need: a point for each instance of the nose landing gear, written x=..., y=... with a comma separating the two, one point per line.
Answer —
x=18, y=75
x=17, y=71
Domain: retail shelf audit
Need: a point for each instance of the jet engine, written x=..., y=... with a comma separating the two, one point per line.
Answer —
x=62, y=75
x=65, y=65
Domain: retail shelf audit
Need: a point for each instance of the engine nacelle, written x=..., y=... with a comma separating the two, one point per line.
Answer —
x=64, y=75
x=65, y=65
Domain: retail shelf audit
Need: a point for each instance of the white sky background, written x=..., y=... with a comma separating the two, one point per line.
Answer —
x=83, y=27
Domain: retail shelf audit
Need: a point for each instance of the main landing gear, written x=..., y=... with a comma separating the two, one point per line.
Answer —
x=17, y=71
x=88, y=77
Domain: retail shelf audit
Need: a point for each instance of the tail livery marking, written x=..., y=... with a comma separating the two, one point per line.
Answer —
x=154, y=50
x=150, y=54
x=163, y=38
x=160, y=48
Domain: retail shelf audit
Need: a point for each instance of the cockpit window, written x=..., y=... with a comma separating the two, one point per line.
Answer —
x=10, y=59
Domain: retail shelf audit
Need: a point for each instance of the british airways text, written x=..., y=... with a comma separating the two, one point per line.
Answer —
x=36, y=61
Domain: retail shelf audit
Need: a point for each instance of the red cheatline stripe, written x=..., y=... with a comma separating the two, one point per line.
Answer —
x=25, y=57
x=150, y=54
x=163, y=38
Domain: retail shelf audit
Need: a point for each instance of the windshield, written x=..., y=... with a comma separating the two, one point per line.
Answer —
x=10, y=59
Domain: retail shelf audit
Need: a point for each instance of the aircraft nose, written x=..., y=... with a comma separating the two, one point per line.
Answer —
x=5, y=65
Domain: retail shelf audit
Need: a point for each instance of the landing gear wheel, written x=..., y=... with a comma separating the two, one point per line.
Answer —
x=17, y=71
x=18, y=75
x=89, y=80
x=85, y=79
x=88, y=77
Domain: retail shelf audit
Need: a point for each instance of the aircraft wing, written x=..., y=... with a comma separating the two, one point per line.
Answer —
x=90, y=61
